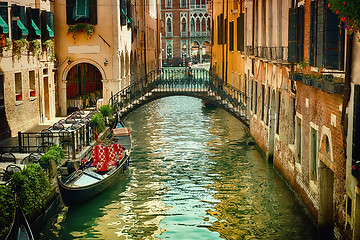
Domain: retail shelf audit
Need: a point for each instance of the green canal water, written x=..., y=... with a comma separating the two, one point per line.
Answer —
x=192, y=176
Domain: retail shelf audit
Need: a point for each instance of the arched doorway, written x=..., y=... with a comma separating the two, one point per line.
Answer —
x=206, y=51
x=195, y=52
x=83, y=87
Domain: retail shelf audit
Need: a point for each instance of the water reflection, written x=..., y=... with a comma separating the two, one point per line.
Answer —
x=192, y=176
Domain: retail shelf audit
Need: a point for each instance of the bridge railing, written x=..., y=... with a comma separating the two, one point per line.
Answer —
x=179, y=80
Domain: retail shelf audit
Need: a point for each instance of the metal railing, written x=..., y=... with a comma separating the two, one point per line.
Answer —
x=270, y=53
x=200, y=34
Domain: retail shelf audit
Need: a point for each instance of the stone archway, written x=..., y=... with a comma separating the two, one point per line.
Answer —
x=205, y=51
x=195, y=54
x=83, y=86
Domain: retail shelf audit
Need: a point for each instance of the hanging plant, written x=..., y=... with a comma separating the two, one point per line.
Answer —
x=50, y=48
x=34, y=47
x=6, y=48
x=18, y=47
x=87, y=29
x=348, y=12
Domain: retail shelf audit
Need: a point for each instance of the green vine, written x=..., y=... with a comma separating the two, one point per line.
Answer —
x=88, y=30
x=19, y=46
x=50, y=48
x=35, y=48
x=348, y=12
x=7, y=47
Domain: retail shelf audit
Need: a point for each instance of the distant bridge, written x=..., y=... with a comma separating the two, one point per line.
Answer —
x=170, y=82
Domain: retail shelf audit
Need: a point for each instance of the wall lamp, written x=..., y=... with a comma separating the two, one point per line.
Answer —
x=106, y=62
x=69, y=61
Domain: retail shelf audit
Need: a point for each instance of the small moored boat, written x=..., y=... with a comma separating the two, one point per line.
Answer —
x=105, y=167
x=20, y=228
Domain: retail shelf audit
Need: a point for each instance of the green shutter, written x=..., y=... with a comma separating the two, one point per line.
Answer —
x=300, y=33
x=4, y=26
x=320, y=46
x=240, y=32
x=231, y=36
x=312, y=34
x=356, y=125
x=292, y=43
x=123, y=12
x=81, y=9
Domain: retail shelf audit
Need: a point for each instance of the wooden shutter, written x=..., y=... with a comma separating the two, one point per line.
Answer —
x=240, y=32
x=219, y=35
x=69, y=12
x=93, y=12
x=356, y=125
x=226, y=31
x=300, y=33
x=231, y=36
x=320, y=26
x=332, y=40
x=292, y=43
x=312, y=33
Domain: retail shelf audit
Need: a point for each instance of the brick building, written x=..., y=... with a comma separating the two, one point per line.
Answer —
x=186, y=32
x=27, y=85
x=294, y=76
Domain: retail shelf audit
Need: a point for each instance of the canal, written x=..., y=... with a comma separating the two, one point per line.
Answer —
x=192, y=176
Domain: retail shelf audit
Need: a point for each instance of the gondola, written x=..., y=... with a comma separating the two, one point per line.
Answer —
x=20, y=228
x=91, y=178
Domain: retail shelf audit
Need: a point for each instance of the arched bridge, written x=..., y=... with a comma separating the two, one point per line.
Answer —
x=200, y=83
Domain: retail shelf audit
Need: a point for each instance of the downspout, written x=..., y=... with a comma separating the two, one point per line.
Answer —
x=347, y=87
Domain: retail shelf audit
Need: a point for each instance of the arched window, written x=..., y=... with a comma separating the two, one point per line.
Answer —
x=183, y=25
x=198, y=27
x=208, y=25
x=192, y=25
x=168, y=25
x=203, y=25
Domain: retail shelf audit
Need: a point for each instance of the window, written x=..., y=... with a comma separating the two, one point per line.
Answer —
x=169, y=49
x=268, y=105
x=183, y=3
x=240, y=32
x=356, y=128
x=220, y=20
x=192, y=25
x=18, y=87
x=313, y=154
x=278, y=113
x=168, y=3
x=82, y=11
x=296, y=34
x=256, y=96
x=183, y=25
x=252, y=94
x=231, y=37
x=4, y=15
x=32, y=83
x=33, y=23
x=18, y=24
x=168, y=17
x=292, y=112
x=262, y=102
x=2, y=97
x=298, y=139
x=168, y=25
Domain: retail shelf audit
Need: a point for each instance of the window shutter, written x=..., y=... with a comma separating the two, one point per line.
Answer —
x=332, y=37
x=123, y=12
x=356, y=125
x=320, y=25
x=312, y=33
x=69, y=12
x=231, y=37
x=93, y=12
x=226, y=31
x=240, y=32
x=292, y=43
x=219, y=35
x=300, y=33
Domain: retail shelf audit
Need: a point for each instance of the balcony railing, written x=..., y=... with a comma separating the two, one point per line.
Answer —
x=200, y=34
x=197, y=6
x=169, y=34
x=270, y=53
x=184, y=34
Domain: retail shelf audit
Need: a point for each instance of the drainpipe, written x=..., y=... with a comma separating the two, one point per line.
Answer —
x=145, y=64
x=347, y=87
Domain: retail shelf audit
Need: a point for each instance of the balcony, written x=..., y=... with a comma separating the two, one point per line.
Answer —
x=325, y=83
x=183, y=34
x=198, y=6
x=270, y=53
x=200, y=34
x=169, y=34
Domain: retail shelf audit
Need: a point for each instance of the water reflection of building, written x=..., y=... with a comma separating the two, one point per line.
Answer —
x=186, y=32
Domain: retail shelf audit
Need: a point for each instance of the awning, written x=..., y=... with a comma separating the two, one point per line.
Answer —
x=128, y=19
x=81, y=9
x=37, y=30
x=4, y=26
x=24, y=30
x=51, y=32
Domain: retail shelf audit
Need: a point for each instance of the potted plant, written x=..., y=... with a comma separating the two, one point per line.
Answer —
x=19, y=97
x=87, y=29
x=97, y=122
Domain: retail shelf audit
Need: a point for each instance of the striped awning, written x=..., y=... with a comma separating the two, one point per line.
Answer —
x=4, y=26
x=36, y=28
x=23, y=29
x=81, y=9
x=51, y=32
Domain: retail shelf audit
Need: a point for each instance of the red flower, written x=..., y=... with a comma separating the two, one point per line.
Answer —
x=337, y=12
x=329, y=5
x=353, y=167
x=344, y=2
x=343, y=19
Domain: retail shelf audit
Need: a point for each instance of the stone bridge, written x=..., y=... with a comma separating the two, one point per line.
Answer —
x=200, y=83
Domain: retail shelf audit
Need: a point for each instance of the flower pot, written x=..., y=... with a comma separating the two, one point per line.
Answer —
x=32, y=93
x=18, y=97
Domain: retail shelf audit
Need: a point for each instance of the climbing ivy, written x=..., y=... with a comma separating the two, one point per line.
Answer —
x=18, y=47
x=34, y=47
x=50, y=48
